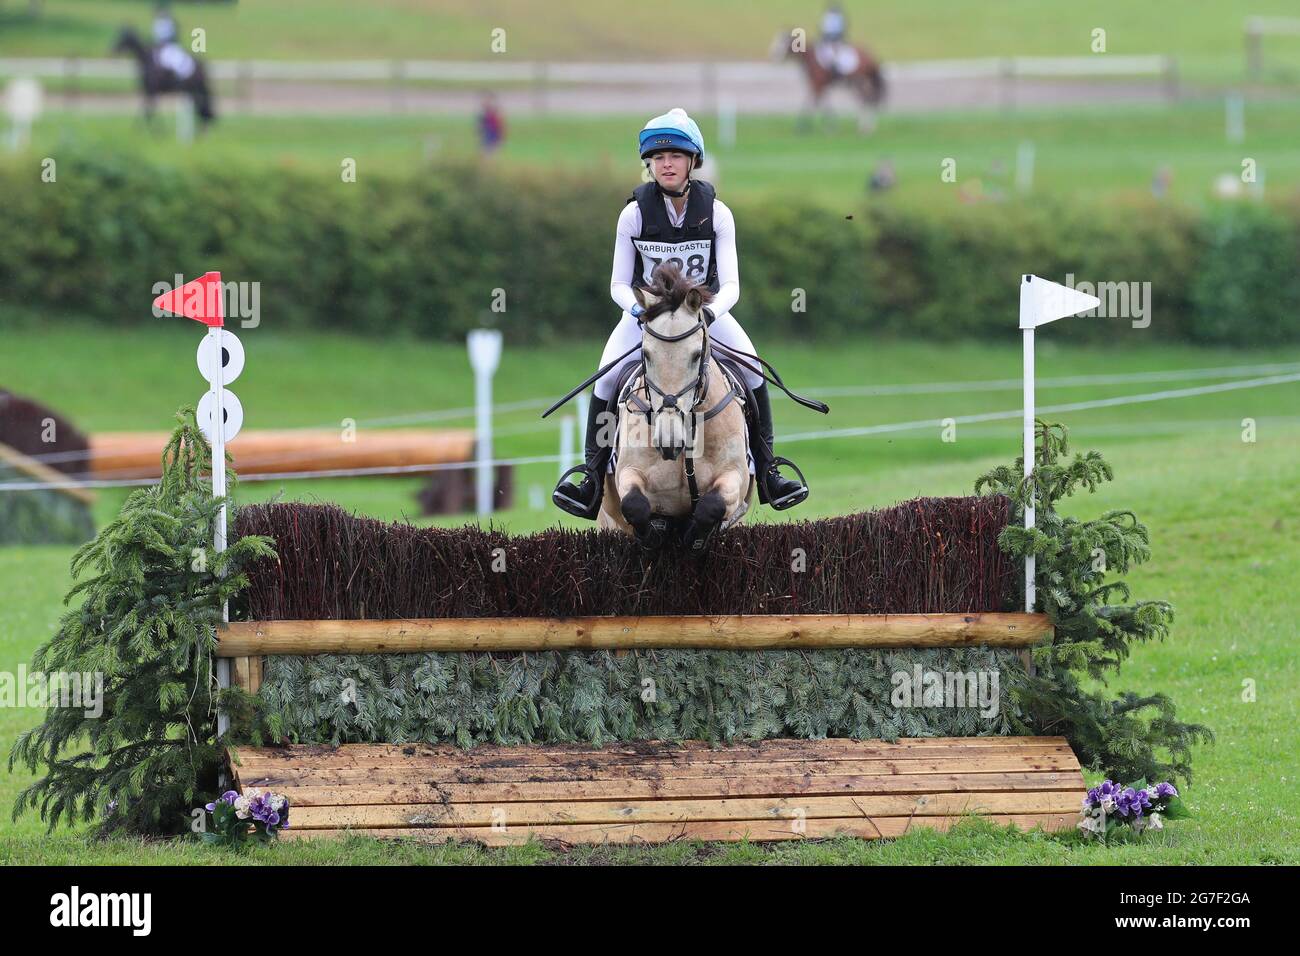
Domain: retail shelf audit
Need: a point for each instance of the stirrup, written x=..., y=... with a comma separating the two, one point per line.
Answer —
x=794, y=497
x=576, y=506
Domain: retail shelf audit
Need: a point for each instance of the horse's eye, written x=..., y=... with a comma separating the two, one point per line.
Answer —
x=695, y=356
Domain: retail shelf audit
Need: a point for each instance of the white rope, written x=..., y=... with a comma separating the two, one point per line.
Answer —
x=783, y=440
x=925, y=388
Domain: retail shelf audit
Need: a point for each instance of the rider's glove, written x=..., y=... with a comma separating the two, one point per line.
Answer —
x=637, y=311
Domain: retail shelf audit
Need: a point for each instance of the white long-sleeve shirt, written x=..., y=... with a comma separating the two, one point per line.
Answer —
x=724, y=253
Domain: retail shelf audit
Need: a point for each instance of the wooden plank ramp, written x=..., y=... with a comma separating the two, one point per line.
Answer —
x=655, y=792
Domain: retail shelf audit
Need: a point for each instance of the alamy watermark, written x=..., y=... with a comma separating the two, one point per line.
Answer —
x=79, y=690
x=242, y=300
x=1119, y=300
x=955, y=689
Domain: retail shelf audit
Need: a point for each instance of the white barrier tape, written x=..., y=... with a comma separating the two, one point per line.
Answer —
x=832, y=391
x=783, y=439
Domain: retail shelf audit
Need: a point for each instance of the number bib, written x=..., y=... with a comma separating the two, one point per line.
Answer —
x=693, y=257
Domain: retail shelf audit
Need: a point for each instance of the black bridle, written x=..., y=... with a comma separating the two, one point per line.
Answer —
x=699, y=389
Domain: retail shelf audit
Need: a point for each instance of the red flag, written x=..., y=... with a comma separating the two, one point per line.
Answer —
x=200, y=300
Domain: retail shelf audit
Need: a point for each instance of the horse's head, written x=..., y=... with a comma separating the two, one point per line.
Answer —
x=674, y=340
x=787, y=43
x=128, y=41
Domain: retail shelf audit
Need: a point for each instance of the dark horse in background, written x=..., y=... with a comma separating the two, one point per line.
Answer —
x=865, y=78
x=157, y=79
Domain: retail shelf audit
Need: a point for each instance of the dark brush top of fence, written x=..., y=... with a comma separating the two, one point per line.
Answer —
x=929, y=555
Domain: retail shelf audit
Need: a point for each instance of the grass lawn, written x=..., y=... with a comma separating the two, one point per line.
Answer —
x=1223, y=516
x=1207, y=37
x=1084, y=154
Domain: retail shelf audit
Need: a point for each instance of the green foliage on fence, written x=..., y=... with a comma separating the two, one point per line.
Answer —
x=600, y=696
x=1129, y=736
x=423, y=254
x=137, y=753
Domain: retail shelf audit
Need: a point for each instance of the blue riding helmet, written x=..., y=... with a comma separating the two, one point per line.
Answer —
x=673, y=130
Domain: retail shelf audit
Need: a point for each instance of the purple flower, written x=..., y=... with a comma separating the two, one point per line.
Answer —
x=1132, y=801
x=1165, y=790
x=230, y=796
x=1107, y=789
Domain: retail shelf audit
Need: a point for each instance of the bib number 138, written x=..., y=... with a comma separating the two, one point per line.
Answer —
x=693, y=267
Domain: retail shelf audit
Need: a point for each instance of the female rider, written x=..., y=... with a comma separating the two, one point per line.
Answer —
x=674, y=217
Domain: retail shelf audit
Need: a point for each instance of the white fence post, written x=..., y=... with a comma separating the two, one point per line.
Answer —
x=484, y=356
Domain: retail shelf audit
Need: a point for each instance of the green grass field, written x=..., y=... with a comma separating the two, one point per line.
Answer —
x=1222, y=512
x=1206, y=36
x=1082, y=154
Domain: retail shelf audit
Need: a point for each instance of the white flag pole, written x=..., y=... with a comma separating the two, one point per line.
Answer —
x=1041, y=302
x=219, y=491
x=1030, y=594
x=484, y=355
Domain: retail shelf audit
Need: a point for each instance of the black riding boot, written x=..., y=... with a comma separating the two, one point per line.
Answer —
x=583, y=499
x=773, y=488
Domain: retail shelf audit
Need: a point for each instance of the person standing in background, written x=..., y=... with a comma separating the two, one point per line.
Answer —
x=491, y=126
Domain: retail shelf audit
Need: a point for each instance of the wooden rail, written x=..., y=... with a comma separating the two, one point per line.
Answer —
x=42, y=472
x=731, y=632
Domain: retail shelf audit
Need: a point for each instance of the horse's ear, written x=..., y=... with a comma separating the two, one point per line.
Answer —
x=647, y=299
x=693, y=300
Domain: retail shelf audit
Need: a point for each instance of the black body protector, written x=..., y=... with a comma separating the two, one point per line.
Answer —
x=689, y=246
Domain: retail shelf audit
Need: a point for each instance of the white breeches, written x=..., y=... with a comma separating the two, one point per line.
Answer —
x=627, y=334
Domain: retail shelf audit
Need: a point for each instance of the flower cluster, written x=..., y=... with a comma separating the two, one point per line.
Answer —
x=257, y=814
x=1139, y=807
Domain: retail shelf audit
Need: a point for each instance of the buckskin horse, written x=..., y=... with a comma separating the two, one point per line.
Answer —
x=853, y=66
x=158, y=77
x=682, y=421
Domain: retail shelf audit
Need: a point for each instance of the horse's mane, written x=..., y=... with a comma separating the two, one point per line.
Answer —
x=670, y=287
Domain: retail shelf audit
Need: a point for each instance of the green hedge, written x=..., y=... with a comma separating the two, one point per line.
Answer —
x=424, y=254
x=597, y=697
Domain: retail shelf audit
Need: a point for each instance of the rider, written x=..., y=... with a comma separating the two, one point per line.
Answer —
x=164, y=26
x=674, y=216
x=167, y=46
x=834, y=27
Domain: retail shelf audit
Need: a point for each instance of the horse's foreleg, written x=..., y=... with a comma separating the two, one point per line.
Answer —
x=637, y=511
x=722, y=505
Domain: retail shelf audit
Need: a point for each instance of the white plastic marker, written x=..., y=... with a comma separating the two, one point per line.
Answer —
x=484, y=356
x=23, y=101
x=220, y=360
x=1041, y=302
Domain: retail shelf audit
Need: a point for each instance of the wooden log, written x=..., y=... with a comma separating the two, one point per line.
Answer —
x=733, y=632
x=259, y=452
x=239, y=676
x=39, y=471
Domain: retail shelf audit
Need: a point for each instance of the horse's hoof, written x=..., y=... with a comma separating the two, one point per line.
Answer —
x=705, y=520
x=636, y=509
x=655, y=534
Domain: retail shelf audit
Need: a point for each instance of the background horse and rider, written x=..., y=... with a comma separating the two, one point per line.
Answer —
x=164, y=69
x=828, y=64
